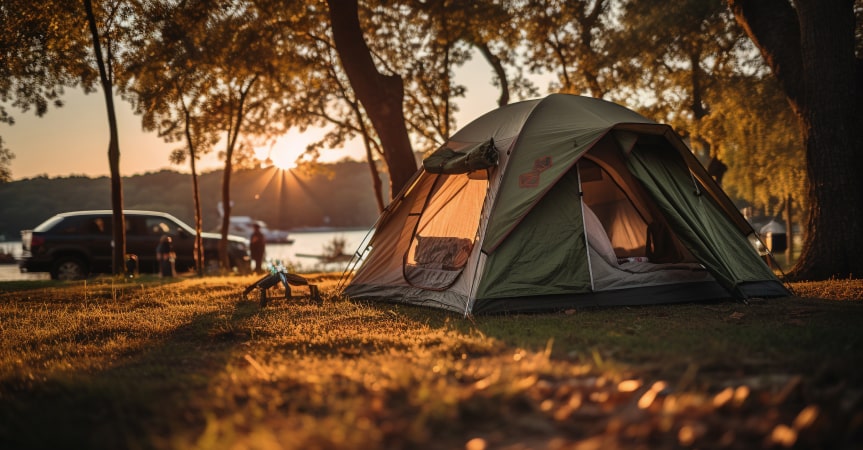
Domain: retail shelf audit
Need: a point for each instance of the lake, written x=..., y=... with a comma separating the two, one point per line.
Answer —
x=305, y=243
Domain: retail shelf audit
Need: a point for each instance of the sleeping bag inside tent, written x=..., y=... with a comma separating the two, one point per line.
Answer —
x=561, y=202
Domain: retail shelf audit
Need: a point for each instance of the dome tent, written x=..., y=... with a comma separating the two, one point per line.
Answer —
x=561, y=202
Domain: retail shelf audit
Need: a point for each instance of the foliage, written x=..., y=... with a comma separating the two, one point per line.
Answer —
x=707, y=81
x=46, y=48
x=189, y=365
x=569, y=39
x=6, y=157
x=592, y=46
x=764, y=156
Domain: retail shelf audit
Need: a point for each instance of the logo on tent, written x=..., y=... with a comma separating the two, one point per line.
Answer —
x=542, y=163
x=531, y=179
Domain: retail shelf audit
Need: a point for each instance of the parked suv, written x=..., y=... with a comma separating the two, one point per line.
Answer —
x=72, y=245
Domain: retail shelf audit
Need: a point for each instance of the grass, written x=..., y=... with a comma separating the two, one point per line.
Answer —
x=189, y=365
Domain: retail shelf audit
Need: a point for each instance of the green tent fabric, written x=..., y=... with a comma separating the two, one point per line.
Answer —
x=551, y=140
x=697, y=219
x=575, y=195
x=521, y=266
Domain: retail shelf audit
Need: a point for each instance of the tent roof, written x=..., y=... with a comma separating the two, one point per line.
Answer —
x=540, y=140
x=554, y=112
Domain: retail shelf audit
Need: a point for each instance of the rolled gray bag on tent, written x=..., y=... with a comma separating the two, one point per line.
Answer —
x=448, y=161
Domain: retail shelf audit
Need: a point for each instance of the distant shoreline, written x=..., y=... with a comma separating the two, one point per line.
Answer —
x=324, y=229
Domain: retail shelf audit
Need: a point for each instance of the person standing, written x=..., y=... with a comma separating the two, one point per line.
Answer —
x=257, y=247
x=166, y=257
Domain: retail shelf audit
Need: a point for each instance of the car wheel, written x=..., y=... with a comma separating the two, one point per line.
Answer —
x=68, y=268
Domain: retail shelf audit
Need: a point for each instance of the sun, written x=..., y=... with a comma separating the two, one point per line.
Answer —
x=281, y=155
x=283, y=158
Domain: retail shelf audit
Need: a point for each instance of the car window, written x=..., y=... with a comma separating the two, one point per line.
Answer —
x=83, y=225
x=135, y=226
x=159, y=226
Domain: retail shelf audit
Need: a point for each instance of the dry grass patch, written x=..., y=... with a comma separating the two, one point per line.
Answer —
x=846, y=289
x=190, y=365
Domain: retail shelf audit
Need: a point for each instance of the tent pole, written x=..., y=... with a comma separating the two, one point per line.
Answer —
x=584, y=226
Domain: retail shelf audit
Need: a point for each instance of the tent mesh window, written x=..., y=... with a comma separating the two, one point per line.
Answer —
x=445, y=233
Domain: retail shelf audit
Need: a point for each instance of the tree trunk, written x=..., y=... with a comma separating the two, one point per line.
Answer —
x=499, y=71
x=377, y=185
x=376, y=179
x=381, y=95
x=234, y=127
x=226, y=209
x=118, y=257
x=196, y=196
x=833, y=161
x=815, y=63
x=199, y=222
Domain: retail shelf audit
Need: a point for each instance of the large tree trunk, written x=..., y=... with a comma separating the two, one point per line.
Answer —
x=118, y=258
x=381, y=95
x=810, y=48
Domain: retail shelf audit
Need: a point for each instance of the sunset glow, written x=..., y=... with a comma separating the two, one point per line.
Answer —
x=282, y=154
x=285, y=158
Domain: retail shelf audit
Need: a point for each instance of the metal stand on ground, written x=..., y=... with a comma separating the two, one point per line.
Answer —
x=280, y=275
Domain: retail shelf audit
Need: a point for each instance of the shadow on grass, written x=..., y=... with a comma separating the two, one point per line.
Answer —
x=141, y=402
x=711, y=344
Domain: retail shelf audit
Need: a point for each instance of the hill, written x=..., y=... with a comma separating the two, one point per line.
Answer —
x=336, y=195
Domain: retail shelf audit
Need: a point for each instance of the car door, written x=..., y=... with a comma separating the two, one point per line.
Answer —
x=89, y=236
x=183, y=243
x=140, y=241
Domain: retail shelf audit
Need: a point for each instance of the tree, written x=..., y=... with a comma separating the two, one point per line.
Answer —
x=755, y=132
x=165, y=87
x=32, y=70
x=381, y=95
x=107, y=80
x=810, y=46
x=44, y=50
x=707, y=80
x=212, y=73
x=251, y=83
x=568, y=38
x=420, y=43
x=436, y=37
x=323, y=97
x=50, y=45
x=692, y=49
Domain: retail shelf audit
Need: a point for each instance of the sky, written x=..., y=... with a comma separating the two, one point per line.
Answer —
x=73, y=140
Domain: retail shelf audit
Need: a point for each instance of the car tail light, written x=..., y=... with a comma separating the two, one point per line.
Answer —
x=36, y=242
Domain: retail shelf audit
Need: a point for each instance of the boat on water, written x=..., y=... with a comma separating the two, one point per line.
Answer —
x=244, y=225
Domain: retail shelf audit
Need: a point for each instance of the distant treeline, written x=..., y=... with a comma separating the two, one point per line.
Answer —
x=337, y=195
